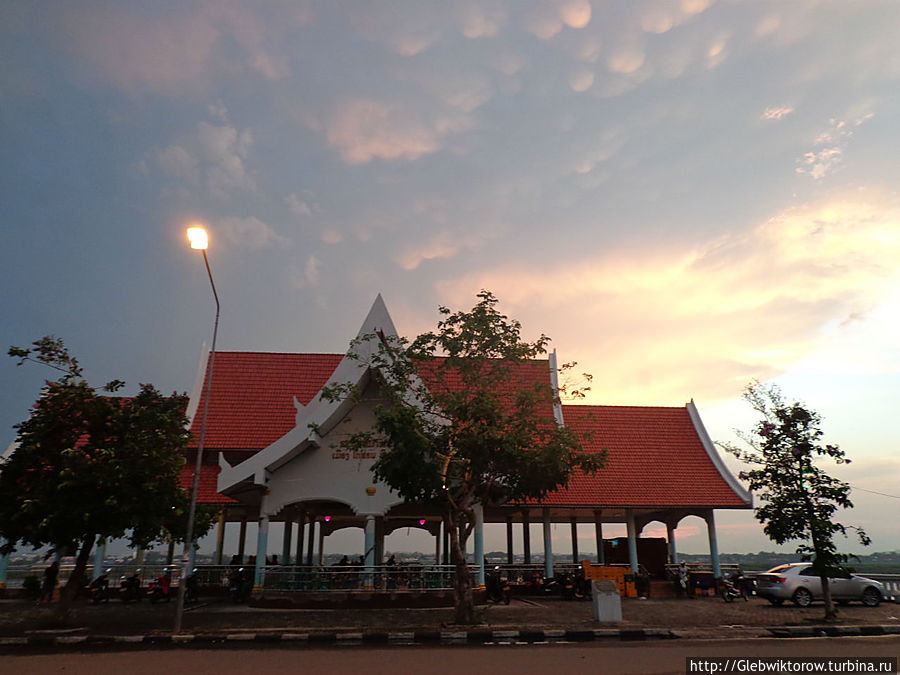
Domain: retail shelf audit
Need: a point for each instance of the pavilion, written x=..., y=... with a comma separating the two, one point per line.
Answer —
x=273, y=454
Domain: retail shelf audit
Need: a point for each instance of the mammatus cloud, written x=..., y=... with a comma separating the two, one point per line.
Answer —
x=213, y=156
x=657, y=326
x=250, y=233
x=363, y=130
x=776, y=113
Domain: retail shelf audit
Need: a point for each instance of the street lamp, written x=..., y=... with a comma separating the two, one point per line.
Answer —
x=199, y=241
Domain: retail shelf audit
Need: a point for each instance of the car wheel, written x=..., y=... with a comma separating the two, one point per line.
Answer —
x=778, y=602
x=871, y=597
x=802, y=597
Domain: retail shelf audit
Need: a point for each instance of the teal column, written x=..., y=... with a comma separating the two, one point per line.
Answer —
x=4, y=566
x=478, y=509
x=548, y=546
x=370, y=553
x=632, y=540
x=286, y=541
x=262, y=544
x=713, y=544
x=670, y=538
x=99, y=556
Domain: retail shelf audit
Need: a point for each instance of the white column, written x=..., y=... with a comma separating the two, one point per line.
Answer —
x=262, y=543
x=670, y=537
x=99, y=556
x=479, y=541
x=598, y=533
x=548, y=546
x=632, y=540
x=369, y=582
x=286, y=541
x=321, y=557
x=713, y=544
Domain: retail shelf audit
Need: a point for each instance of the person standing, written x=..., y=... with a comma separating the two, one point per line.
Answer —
x=49, y=585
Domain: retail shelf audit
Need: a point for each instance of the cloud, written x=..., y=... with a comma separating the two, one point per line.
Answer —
x=776, y=113
x=661, y=326
x=309, y=276
x=476, y=20
x=363, y=130
x=445, y=244
x=581, y=80
x=575, y=13
x=818, y=163
x=626, y=61
x=300, y=207
x=250, y=233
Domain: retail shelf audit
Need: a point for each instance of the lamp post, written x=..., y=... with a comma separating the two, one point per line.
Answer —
x=199, y=241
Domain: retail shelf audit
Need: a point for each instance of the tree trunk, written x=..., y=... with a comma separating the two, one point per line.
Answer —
x=462, y=583
x=69, y=593
x=830, y=611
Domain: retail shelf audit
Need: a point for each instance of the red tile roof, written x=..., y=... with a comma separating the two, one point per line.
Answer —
x=206, y=488
x=655, y=459
x=251, y=399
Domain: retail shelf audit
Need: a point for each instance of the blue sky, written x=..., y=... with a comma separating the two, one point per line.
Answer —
x=685, y=195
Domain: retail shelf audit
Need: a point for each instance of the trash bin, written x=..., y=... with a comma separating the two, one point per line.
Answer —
x=607, y=601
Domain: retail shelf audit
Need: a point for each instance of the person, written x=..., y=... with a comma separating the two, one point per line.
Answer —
x=235, y=560
x=49, y=585
x=344, y=562
x=391, y=561
x=683, y=578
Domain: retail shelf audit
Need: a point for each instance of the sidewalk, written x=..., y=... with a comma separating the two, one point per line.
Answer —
x=524, y=620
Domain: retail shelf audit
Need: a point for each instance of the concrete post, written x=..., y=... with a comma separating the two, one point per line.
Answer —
x=670, y=538
x=310, y=539
x=548, y=546
x=632, y=540
x=4, y=565
x=526, y=537
x=598, y=533
x=262, y=544
x=369, y=582
x=713, y=544
x=321, y=556
x=510, y=556
x=99, y=556
x=478, y=509
x=301, y=523
x=220, y=538
x=575, y=541
x=242, y=540
x=437, y=544
x=286, y=541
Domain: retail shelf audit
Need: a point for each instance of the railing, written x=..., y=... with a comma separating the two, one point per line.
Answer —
x=355, y=578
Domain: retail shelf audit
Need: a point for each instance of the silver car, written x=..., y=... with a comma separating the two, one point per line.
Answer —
x=798, y=583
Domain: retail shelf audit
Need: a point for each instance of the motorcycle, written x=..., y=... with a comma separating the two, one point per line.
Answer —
x=99, y=588
x=497, y=586
x=159, y=589
x=238, y=586
x=733, y=589
x=130, y=588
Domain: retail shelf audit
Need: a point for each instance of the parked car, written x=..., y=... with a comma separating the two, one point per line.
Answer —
x=801, y=585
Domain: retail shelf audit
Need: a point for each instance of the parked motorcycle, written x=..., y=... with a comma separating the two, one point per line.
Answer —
x=733, y=589
x=497, y=586
x=238, y=586
x=159, y=589
x=99, y=588
x=130, y=588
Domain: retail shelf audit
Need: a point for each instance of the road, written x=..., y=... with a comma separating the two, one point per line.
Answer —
x=565, y=659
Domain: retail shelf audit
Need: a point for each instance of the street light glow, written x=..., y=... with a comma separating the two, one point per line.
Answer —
x=197, y=237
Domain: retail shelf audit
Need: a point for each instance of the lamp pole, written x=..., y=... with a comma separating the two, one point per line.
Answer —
x=199, y=241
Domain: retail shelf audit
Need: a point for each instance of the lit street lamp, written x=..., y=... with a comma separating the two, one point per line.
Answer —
x=199, y=241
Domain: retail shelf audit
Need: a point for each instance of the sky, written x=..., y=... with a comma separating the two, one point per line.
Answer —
x=685, y=195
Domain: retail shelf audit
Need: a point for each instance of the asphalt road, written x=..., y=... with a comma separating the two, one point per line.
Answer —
x=560, y=659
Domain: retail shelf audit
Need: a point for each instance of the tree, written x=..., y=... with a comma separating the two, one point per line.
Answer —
x=90, y=465
x=799, y=498
x=463, y=424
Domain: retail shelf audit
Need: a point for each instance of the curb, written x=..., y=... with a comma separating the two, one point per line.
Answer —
x=832, y=631
x=321, y=639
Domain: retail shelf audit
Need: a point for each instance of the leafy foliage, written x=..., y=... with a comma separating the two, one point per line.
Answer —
x=466, y=422
x=799, y=499
x=89, y=465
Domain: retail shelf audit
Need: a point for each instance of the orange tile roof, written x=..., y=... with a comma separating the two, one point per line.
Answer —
x=206, y=487
x=655, y=459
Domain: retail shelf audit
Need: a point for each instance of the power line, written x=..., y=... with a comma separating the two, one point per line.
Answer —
x=874, y=493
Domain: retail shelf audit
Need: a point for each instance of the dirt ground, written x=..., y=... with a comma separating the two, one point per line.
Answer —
x=700, y=615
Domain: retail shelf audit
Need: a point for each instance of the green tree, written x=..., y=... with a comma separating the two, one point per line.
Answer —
x=90, y=465
x=482, y=432
x=799, y=499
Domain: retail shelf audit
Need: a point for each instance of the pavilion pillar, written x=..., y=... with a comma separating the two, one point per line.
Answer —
x=574, y=540
x=446, y=544
x=99, y=556
x=713, y=543
x=301, y=523
x=369, y=582
x=598, y=533
x=526, y=537
x=509, y=541
x=379, y=540
x=242, y=539
x=262, y=543
x=4, y=565
x=310, y=539
x=548, y=546
x=479, y=542
x=670, y=538
x=286, y=541
x=220, y=538
x=632, y=540
x=321, y=556
x=437, y=546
